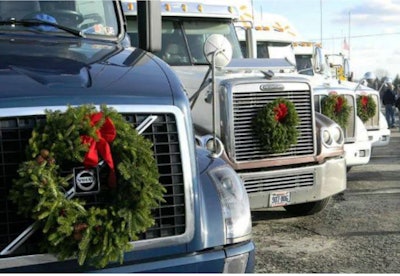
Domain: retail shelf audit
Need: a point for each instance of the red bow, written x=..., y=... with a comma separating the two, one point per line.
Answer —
x=281, y=111
x=105, y=135
x=339, y=104
x=364, y=101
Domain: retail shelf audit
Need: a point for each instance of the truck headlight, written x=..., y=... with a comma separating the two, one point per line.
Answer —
x=332, y=136
x=235, y=204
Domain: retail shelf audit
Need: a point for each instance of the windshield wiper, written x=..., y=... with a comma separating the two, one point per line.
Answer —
x=38, y=22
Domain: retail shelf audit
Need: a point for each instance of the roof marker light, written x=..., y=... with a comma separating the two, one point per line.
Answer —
x=184, y=7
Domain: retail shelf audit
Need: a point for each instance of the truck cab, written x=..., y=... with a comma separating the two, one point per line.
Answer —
x=226, y=99
x=58, y=56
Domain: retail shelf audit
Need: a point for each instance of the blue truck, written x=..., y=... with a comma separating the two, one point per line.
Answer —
x=57, y=56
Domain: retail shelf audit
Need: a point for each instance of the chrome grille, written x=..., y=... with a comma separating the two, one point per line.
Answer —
x=265, y=183
x=246, y=104
x=170, y=217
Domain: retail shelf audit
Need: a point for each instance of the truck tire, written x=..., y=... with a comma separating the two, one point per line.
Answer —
x=309, y=208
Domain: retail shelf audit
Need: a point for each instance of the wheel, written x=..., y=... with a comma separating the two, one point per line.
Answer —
x=309, y=208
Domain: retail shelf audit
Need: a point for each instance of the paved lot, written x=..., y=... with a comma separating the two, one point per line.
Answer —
x=358, y=232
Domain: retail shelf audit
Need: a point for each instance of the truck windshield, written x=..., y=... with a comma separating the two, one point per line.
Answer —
x=84, y=17
x=275, y=50
x=183, y=40
x=304, y=65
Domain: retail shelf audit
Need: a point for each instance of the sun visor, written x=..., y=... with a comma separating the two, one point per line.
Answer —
x=263, y=64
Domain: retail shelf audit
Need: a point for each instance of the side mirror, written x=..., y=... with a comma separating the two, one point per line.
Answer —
x=149, y=25
x=346, y=68
x=368, y=76
x=318, y=58
x=218, y=50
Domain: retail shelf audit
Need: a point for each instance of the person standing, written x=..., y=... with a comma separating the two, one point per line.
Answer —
x=397, y=104
x=388, y=101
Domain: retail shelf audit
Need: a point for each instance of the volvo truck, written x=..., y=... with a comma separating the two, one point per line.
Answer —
x=58, y=56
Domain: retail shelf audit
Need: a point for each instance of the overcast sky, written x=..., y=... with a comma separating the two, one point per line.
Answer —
x=374, y=27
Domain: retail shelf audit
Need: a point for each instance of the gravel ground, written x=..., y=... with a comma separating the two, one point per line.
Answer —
x=358, y=232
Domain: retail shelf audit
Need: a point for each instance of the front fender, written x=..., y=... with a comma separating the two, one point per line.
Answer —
x=209, y=211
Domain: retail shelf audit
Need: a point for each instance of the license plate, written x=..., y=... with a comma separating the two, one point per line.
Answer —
x=279, y=199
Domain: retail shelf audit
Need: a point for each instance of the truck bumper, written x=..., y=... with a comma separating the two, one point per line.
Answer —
x=379, y=138
x=238, y=258
x=298, y=185
x=357, y=153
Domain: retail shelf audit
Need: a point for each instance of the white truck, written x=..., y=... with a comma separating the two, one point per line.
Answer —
x=225, y=101
x=376, y=126
x=275, y=37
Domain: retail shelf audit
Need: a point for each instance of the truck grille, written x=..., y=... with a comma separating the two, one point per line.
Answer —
x=245, y=147
x=373, y=123
x=265, y=183
x=350, y=130
x=163, y=133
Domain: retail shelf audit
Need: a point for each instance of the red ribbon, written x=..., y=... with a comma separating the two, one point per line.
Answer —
x=105, y=135
x=281, y=111
x=339, y=104
x=364, y=101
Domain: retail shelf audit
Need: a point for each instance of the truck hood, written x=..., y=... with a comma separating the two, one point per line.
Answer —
x=65, y=71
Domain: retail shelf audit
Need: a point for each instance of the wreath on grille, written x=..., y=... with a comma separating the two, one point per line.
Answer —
x=337, y=108
x=366, y=107
x=275, y=125
x=95, y=232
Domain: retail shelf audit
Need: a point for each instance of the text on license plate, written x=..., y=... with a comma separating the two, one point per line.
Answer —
x=279, y=199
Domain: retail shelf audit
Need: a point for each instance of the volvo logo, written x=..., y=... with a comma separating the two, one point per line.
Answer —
x=86, y=181
x=272, y=86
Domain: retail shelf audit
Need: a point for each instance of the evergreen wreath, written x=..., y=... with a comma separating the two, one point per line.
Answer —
x=94, y=233
x=366, y=107
x=336, y=108
x=275, y=125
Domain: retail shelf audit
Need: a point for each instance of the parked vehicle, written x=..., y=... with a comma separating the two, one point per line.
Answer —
x=275, y=37
x=226, y=101
x=376, y=126
x=59, y=59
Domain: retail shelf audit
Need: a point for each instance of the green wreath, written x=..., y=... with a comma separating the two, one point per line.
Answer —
x=98, y=233
x=337, y=108
x=275, y=125
x=366, y=107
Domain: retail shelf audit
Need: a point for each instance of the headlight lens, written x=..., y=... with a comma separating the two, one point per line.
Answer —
x=332, y=136
x=235, y=204
x=326, y=136
x=337, y=134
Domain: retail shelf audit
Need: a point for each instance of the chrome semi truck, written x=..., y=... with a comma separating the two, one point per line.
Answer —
x=226, y=94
